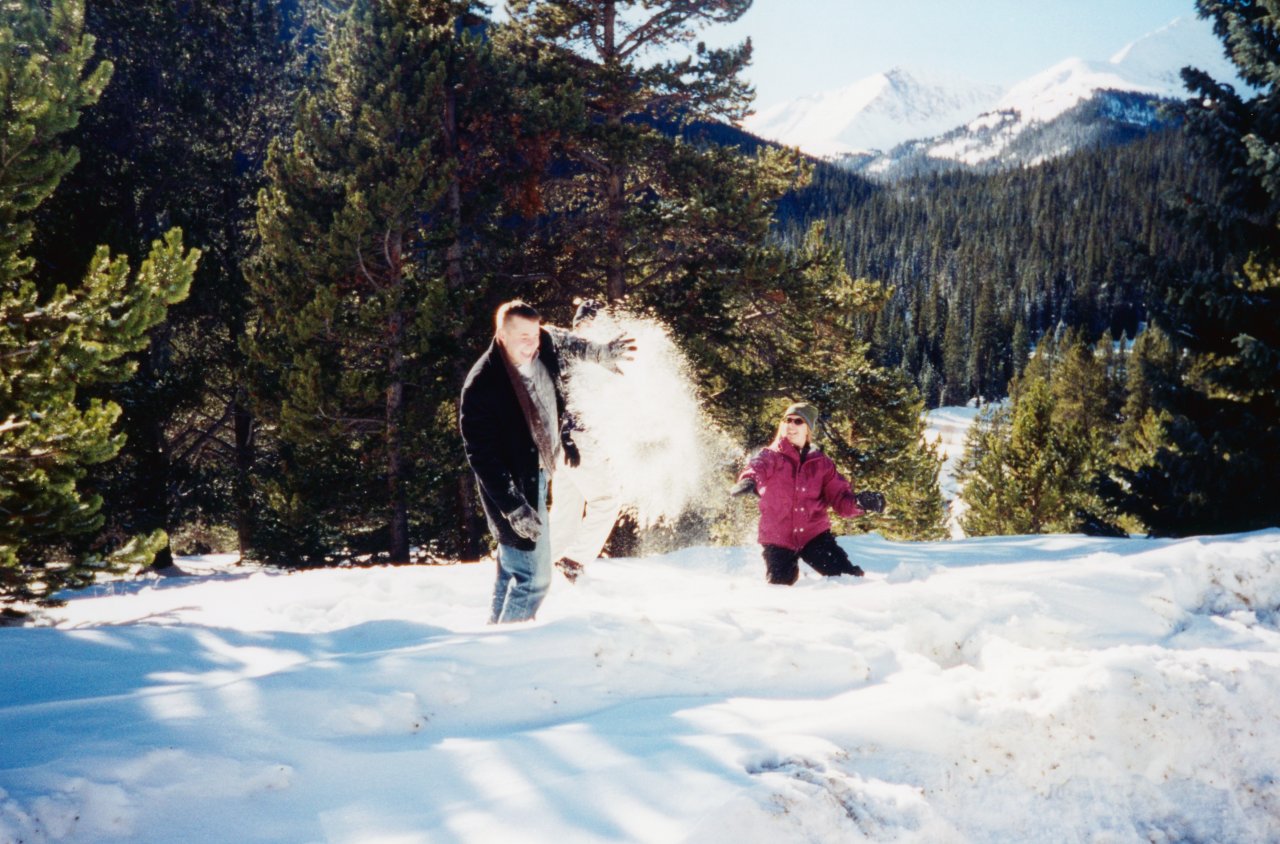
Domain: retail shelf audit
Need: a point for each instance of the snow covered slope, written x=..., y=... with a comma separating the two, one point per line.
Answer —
x=1047, y=688
x=949, y=428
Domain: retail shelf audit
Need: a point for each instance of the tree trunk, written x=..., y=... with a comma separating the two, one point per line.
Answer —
x=453, y=271
x=399, y=527
x=472, y=526
x=470, y=531
x=616, y=279
x=398, y=545
x=155, y=465
x=243, y=421
x=616, y=178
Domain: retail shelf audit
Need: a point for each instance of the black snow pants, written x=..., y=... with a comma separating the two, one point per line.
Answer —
x=827, y=558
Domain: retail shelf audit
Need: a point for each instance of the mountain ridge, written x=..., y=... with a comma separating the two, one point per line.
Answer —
x=918, y=123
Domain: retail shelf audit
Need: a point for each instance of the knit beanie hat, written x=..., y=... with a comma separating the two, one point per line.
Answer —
x=805, y=411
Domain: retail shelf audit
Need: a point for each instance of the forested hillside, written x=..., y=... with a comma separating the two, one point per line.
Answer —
x=363, y=184
x=981, y=266
x=249, y=252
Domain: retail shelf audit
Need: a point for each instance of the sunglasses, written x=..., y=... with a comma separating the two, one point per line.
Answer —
x=796, y=420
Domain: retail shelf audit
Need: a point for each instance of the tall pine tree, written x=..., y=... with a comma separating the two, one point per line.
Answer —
x=1011, y=469
x=178, y=138
x=364, y=288
x=55, y=339
x=1214, y=469
x=630, y=198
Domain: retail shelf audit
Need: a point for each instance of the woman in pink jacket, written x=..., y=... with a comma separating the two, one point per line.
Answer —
x=797, y=484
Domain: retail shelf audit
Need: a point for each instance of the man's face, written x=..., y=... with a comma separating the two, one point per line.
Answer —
x=519, y=339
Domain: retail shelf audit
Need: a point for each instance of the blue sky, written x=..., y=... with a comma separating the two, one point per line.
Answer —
x=806, y=46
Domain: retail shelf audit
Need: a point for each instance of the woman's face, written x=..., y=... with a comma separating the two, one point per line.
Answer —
x=796, y=430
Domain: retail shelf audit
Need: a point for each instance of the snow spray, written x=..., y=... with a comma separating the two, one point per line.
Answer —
x=663, y=452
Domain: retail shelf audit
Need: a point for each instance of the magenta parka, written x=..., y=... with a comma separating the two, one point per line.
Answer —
x=795, y=495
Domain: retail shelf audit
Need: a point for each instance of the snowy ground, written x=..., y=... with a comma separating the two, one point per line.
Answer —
x=1020, y=689
x=949, y=427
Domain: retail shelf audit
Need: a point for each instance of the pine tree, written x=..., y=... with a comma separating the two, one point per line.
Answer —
x=1020, y=347
x=638, y=192
x=985, y=345
x=1087, y=396
x=1214, y=469
x=1040, y=464
x=178, y=138
x=983, y=474
x=362, y=289
x=954, y=356
x=56, y=340
x=1150, y=371
x=917, y=509
x=1014, y=484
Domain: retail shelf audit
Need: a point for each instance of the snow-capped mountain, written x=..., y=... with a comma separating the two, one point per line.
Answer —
x=875, y=113
x=1004, y=138
x=1150, y=65
x=1052, y=112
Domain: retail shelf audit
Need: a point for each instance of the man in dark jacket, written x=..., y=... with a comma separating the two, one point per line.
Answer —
x=510, y=417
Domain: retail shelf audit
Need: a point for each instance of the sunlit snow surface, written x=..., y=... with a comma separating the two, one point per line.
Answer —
x=1050, y=688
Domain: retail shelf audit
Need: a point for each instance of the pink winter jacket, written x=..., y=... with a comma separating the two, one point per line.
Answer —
x=794, y=496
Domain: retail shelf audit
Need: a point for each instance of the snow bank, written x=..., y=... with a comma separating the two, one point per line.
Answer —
x=1051, y=688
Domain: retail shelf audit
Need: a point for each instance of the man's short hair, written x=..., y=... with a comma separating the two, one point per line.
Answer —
x=515, y=308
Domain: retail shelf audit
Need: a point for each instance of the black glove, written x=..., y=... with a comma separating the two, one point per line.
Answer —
x=571, y=455
x=858, y=572
x=744, y=486
x=569, y=424
x=587, y=310
x=871, y=502
x=524, y=521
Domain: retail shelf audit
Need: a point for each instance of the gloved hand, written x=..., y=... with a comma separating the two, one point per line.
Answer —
x=619, y=348
x=871, y=502
x=587, y=310
x=572, y=457
x=524, y=521
x=744, y=486
x=858, y=572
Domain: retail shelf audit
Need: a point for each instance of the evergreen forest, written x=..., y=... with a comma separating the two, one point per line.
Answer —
x=982, y=266
x=249, y=251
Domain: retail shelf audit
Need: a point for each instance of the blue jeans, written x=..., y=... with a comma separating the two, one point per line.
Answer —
x=524, y=576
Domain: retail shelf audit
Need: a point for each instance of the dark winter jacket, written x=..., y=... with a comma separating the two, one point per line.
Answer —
x=495, y=434
x=795, y=494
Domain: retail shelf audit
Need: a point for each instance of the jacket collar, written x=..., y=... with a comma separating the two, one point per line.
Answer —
x=784, y=447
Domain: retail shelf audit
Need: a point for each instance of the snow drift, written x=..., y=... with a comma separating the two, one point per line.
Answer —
x=1050, y=688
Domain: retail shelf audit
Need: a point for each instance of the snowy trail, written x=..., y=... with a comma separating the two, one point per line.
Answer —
x=1029, y=688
